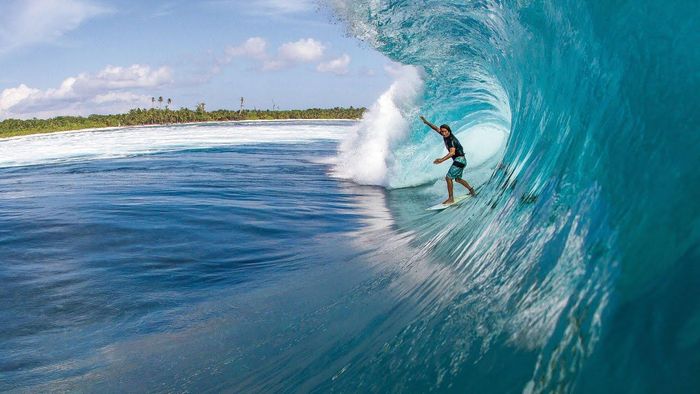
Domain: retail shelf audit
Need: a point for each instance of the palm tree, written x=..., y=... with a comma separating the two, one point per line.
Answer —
x=160, y=101
x=153, y=101
x=170, y=101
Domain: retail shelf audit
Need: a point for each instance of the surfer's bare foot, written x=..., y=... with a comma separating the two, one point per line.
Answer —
x=448, y=201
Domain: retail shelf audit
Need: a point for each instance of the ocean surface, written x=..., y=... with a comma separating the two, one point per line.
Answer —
x=209, y=240
x=298, y=256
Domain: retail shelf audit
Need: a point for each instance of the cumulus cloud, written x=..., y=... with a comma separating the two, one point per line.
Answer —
x=304, y=50
x=337, y=66
x=29, y=22
x=109, y=90
x=120, y=97
x=111, y=77
x=254, y=47
x=291, y=53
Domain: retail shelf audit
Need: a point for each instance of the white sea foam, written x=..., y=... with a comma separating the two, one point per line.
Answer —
x=122, y=142
x=367, y=154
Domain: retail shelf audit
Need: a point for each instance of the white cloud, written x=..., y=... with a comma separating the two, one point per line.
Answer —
x=111, y=78
x=120, y=97
x=29, y=22
x=304, y=50
x=291, y=53
x=13, y=96
x=108, y=90
x=337, y=66
x=254, y=47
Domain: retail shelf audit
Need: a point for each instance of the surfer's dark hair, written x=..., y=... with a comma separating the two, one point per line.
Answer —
x=446, y=127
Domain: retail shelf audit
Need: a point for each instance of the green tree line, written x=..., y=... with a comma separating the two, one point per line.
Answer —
x=154, y=116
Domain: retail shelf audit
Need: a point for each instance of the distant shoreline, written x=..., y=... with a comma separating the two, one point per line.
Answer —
x=174, y=124
x=137, y=118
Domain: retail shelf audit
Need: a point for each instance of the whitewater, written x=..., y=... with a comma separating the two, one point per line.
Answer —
x=189, y=258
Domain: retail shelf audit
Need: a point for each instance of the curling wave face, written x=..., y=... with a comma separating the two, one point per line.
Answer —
x=566, y=272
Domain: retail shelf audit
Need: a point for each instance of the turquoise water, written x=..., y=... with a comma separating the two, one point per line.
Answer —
x=580, y=274
x=299, y=257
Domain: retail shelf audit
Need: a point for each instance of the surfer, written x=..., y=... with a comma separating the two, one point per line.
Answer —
x=456, y=152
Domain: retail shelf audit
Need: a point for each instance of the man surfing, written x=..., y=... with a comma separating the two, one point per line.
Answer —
x=456, y=152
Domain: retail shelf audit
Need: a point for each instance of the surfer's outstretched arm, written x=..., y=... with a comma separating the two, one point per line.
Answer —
x=432, y=126
x=447, y=156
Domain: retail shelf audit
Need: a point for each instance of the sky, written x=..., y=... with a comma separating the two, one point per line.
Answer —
x=79, y=57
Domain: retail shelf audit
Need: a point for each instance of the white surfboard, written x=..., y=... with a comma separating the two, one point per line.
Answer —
x=440, y=207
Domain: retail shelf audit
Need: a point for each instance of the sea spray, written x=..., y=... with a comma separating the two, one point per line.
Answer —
x=366, y=156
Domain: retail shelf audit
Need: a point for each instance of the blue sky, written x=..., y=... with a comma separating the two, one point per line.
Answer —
x=77, y=57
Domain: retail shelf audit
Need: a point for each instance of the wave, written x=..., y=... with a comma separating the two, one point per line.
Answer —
x=580, y=121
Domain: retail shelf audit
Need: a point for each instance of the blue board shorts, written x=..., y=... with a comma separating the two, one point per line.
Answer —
x=455, y=172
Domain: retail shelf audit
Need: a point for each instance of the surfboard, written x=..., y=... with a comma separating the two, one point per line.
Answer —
x=440, y=207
